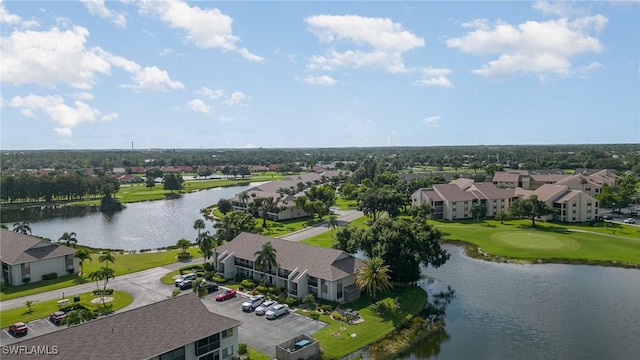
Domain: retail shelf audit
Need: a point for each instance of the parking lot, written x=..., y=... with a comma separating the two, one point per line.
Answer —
x=36, y=328
x=258, y=332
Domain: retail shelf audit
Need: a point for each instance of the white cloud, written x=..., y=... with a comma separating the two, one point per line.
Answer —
x=320, y=80
x=586, y=70
x=206, y=28
x=212, y=94
x=98, y=7
x=540, y=48
x=8, y=18
x=435, y=77
x=225, y=119
x=165, y=52
x=153, y=79
x=66, y=117
x=83, y=96
x=236, y=98
x=383, y=41
x=432, y=121
x=199, y=106
x=559, y=8
x=249, y=146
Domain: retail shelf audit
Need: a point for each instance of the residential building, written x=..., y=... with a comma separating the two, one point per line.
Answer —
x=26, y=258
x=569, y=205
x=302, y=269
x=179, y=328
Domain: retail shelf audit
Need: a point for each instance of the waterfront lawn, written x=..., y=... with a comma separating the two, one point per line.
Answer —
x=337, y=339
x=43, y=309
x=127, y=263
x=12, y=292
x=326, y=240
x=548, y=242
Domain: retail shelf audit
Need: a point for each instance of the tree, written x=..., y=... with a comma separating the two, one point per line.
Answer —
x=232, y=224
x=173, y=182
x=502, y=216
x=82, y=255
x=150, y=182
x=69, y=239
x=23, y=227
x=106, y=258
x=199, y=225
x=199, y=289
x=207, y=243
x=184, y=245
x=404, y=245
x=265, y=258
x=265, y=205
x=373, y=277
x=29, y=304
x=530, y=208
x=422, y=211
x=225, y=205
x=244, y=197
x=333, y=223
x=103, y=274
x=478, y=210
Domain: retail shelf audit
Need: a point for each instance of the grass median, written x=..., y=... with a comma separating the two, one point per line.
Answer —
x=43, y=309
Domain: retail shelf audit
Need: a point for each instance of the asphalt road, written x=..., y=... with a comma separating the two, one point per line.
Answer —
x=343, y=218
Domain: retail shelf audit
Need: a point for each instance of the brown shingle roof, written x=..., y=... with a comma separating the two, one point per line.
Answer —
x=141, y=333
x=492, y=192
x=451, y=192
x=17, y=248
x=501, y=176
x=329, y=264
x=551, y=192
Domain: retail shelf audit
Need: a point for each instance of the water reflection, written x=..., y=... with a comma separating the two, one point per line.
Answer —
x=39, y=213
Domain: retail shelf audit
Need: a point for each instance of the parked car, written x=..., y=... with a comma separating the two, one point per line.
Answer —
x=185, y=284
x=18, y=328
x=226, y=295
x=57, y=317
x=252, y=303
x=265, y=306
x=190, y=276
x=629, y=221
x=210, y=286
x=277, y=311
x=607, y=217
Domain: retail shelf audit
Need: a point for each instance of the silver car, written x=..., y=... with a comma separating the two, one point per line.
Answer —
x=277, y=311
x=265, y=306
x=252, y=303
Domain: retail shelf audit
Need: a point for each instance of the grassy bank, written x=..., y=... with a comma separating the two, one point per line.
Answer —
x=548, y=242
x=339, y=339
x=43, y=309
x=326, y=239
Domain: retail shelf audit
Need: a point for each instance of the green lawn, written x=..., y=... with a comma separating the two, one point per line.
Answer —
x=344, y=204
x=43, y=309
x=12, y=292
x=326, y=240
x=548, y=241
x=254, y=354
x=338, y=339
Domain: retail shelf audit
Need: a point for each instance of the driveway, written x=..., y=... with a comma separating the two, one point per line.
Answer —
x=344, y=218
x=258, y=332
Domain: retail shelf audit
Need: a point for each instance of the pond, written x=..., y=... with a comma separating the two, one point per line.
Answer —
x=143, y=225
x=550, y=311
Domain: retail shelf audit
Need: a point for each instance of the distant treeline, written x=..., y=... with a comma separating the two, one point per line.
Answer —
x=27, y=187
x=621, y=157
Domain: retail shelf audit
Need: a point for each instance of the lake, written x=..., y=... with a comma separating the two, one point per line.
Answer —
x=550, y=311
x=143, y=225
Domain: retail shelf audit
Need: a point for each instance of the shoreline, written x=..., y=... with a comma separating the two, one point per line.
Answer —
x=475, y=251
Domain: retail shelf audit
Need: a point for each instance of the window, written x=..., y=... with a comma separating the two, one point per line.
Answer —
x=210, y=356
x=228, y=352
x=207, y=344
x=177, y=354
x=339, y=294
x=227, y=333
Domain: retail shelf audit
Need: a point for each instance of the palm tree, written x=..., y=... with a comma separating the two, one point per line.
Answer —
x=199, y=225
x=183, y=244
x=502, y=216
x=73, y=318
x=22, y=227
x=69, y=239
x=199, y=289
x=265, y=258
x=373, y=277
x=82, y=255
x=476, y=209
x=106, y=258
x=206, y=245
x=333, y=223
x=243, y=196
x=107, y=274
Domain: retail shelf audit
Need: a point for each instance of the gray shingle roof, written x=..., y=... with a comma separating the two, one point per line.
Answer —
x=141, y=333
x=329, y=264
x=17, y=248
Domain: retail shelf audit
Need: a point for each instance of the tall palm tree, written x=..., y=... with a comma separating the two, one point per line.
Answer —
x=23, y=227
x=69, y=239
x=333, y=223
x=107, y=274
x=374, y=276
x=244, y=197
x=106, y=258
x=206, y=245
x=199, y=289
x=476, y=209
x=265, y=258
x=82, y=255
x=199, y=225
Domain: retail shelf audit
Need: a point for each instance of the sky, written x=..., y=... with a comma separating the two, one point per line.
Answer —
x=172, y=74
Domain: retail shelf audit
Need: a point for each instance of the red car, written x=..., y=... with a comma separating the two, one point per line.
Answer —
x=226, y=295
x=18, y=328
x=57, y=317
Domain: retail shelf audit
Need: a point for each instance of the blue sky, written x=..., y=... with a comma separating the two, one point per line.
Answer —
x=240, y=74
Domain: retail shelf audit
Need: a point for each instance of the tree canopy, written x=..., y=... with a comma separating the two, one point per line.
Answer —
x=530, y=208
x=232, y=224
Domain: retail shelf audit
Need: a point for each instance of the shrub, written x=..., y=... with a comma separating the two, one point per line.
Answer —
x=71, y=271
x=314, y=315
x=262, y=289
x=339, y=317
x=103, y=292
x=220, y=279
x=50, y=276
x=308, y=299
x=208, y=275
x=183, y=256
x=190, y=269
x=292, y=301
x=175, y=292
x=242, y=348
x=26, y=280
x=246, y=283
x=209, y=267
x=326, y=308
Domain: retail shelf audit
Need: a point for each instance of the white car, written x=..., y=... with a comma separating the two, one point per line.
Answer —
x=265, y=306
x=190, y=276
x=252, y=303
x=277, y=311
x=629, y=221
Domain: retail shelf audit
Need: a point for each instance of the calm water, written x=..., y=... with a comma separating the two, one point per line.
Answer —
x=505, y=311
x=144, y=225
